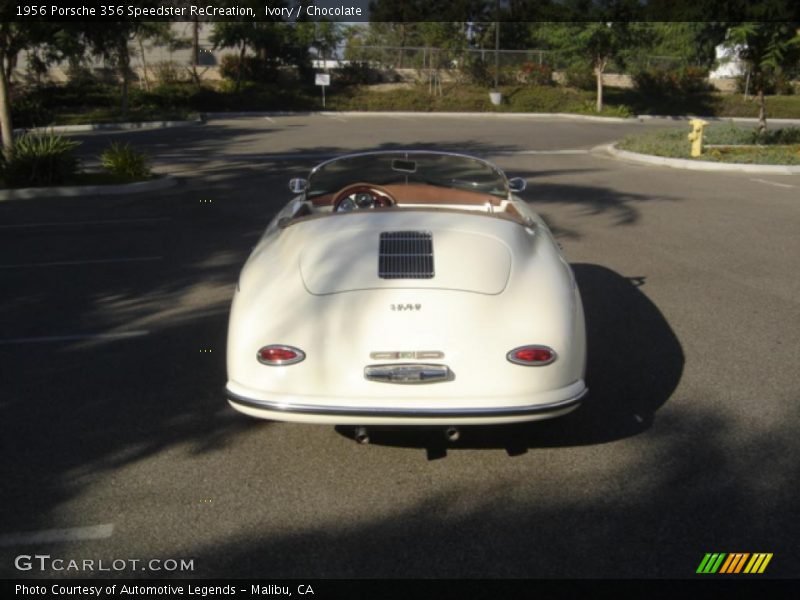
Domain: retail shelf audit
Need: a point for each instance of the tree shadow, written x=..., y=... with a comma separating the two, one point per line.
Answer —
x=634, y=364
x=73, y=412
x=556, y=515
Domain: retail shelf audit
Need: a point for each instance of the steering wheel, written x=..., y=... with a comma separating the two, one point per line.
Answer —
x=360, y=196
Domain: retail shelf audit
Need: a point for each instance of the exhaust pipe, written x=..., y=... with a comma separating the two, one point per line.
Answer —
x=362, y=435
x=452, y=433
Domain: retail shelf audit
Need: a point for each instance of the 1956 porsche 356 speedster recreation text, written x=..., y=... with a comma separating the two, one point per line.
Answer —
x=406, y=288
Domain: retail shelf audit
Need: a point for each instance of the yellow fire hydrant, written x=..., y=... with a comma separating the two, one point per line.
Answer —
x=696, y=136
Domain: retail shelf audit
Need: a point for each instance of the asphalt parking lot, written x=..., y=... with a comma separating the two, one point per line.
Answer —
x=118, y=443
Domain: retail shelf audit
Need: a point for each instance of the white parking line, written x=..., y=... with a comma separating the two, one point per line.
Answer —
x=73, y=223
x=300, y=156
x=71, y=338
x=783, y=185
x=51, y=536
x=523, y=152
x=270, y=119
x=63, y=263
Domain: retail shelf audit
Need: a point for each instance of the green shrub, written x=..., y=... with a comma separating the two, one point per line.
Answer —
x=122, y=160
x=356, y=73
x=786, y=135
x=476, y=71
x=580, y=77
x=774, y=83
x=655, y=81
x=480, y=72
x=79, y=75
x=536, y=74
x=30, y=111
x=40, y=159
x=168, y=72
x=252, y=69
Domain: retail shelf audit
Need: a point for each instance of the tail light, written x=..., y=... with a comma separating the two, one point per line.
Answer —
x=532, y=356
x=277, y=355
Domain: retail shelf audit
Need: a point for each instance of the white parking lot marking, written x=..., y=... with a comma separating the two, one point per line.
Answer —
x=783, y=185
x=514, y=152
x=51, y=536
x=74, y=223
x=78, y=336
x=63, y=263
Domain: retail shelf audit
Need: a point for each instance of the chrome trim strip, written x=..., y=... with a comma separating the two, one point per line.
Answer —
x=395, y=355
x=407, y=374
x=381, y=411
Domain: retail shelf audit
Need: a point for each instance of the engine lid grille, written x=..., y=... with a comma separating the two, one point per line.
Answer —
x=405, y=255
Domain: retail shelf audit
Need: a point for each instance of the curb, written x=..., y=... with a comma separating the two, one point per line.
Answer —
x=109, y=126
x=133, y=126
x=718, y=119
x=696, y=165
x=429, y=114
x=494, y=115
x=162, y=183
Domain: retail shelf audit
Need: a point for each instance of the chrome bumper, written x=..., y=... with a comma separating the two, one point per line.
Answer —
x=384, y=412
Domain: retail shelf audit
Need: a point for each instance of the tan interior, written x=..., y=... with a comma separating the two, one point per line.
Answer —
x=420, y=194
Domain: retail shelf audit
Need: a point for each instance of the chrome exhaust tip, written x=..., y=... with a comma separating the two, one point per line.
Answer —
x=452, y=434
x=362, y=435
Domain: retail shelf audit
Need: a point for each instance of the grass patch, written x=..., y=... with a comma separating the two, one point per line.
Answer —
x=99, y=103
x=674, y=144
x=470, y=98
x=112, y=115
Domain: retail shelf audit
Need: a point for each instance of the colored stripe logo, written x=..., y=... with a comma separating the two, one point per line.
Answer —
x=734, y=563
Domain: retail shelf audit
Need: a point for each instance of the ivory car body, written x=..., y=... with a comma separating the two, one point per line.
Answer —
x=406, y=288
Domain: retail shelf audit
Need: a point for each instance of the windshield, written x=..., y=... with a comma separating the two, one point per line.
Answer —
x=444, y=170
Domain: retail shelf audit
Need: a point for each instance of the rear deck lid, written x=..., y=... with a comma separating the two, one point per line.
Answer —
x=356, y=259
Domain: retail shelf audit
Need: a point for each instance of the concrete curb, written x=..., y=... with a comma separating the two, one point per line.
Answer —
x=145, y=125
x=719, y=119
x=358, y=113
x=696, y=165
x=162, y=183
x=109, y=127
x=491, y=115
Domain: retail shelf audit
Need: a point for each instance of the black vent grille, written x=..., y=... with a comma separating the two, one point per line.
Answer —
x=406, y=255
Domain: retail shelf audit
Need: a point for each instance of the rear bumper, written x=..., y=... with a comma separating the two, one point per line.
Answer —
x=334, y=411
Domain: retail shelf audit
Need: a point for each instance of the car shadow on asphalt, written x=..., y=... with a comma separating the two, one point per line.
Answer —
x=635, y=362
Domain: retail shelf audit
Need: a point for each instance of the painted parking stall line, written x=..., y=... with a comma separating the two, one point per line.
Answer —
x=121, y=335
x=83, y=223
x=53, y=536
x=774, y=183
x=70, y=263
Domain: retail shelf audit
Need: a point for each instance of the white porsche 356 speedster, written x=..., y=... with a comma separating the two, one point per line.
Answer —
x=406, y=288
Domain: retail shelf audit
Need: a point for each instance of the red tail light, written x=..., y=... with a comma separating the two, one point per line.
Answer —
x=278, y=355
x=532, y=356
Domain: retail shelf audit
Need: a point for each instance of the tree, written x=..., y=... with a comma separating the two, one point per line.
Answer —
x=275, y=42
x=53, y=42
x=160, y=34
x=592, y=43
x=112, y=41
x=767, y=48
x=692, y=43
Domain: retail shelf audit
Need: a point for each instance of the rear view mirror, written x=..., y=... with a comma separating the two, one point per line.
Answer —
x=404, y=166
x=298, y=185
x=517, y=184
